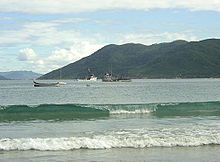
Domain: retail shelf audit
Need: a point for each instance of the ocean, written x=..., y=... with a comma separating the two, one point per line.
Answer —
x=142, y=120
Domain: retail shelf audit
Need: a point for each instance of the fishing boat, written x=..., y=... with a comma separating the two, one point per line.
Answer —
x=61, y=83
x=36, y=84
x=90, y=78
x=108, y=78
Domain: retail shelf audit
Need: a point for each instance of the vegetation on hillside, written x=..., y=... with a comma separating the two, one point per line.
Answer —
x=165, y=60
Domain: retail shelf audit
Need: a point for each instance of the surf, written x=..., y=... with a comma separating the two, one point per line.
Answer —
x=120, y=139
x=96, y=111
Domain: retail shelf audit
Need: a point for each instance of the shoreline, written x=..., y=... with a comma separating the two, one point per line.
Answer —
x=204, y=153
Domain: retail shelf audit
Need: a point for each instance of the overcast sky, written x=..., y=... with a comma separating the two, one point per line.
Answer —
x=43, y=35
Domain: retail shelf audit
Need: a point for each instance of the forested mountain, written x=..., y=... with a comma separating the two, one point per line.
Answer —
x=165, y=60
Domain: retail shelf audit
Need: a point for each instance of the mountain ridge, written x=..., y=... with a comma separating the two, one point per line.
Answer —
x=180, y=58
x=3, y=78
x=20, y=75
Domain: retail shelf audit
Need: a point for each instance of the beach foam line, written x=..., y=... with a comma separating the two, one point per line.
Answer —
x=103, y=142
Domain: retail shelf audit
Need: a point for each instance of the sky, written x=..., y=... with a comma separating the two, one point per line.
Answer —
x=43, y=35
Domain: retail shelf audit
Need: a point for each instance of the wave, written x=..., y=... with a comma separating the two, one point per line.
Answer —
x=82, y=111
x=120, y=139
x=49, y=112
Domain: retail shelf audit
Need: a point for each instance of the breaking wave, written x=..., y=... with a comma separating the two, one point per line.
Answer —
x=120, y=139
x=82, y=111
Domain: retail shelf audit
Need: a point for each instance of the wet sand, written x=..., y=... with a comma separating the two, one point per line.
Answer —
x=201, y=153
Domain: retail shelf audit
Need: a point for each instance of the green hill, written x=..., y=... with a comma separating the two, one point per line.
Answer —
x=165, y=60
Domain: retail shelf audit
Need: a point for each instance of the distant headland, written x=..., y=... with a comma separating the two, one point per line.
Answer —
x=18, y=75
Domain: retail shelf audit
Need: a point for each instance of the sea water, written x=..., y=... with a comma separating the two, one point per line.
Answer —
x=142, y=120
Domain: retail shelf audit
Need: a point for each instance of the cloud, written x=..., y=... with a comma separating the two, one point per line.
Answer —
x=67, y=45
x=75, y=6
x=42, y=33
x=148, y=39
x=74, y=53
x=26, y=54
x=59, y=57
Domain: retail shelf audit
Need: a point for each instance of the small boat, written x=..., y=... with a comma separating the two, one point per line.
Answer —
x=36, y=84
x=108, y=78
x=91, y=78
x=62, y=83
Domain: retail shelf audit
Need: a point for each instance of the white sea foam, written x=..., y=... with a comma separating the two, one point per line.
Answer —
x=3, y=107
x=127, y=109
x=121, y=139
x=140, y=111
x=169, y=104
